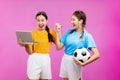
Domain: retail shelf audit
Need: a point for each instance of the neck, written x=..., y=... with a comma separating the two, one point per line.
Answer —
x=80, y=29
x=41, y=29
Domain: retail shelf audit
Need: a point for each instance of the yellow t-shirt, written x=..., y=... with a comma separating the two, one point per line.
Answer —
x=41, y=37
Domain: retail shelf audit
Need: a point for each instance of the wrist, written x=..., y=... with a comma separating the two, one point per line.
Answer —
x=26, y=45
x=59, y=32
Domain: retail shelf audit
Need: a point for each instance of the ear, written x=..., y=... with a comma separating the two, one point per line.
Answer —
x=80, y=21
x=46, y=21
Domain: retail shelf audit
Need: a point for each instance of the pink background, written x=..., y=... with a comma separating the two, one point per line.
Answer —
x=103, y=22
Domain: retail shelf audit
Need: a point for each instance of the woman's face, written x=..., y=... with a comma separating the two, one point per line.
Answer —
x=75, y=22
x=41, y=22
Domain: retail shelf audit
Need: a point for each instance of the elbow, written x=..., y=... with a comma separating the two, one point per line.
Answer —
x=98, y=56
x=29, y=52
x=58, y=48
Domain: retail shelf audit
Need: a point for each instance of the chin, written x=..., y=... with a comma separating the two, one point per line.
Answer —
x=41, y=29
x=73, y=26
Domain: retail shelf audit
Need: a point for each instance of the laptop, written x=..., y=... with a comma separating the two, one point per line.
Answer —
x=25, y=36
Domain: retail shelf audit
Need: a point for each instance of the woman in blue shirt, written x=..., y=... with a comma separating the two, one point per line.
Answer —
x=75, y=38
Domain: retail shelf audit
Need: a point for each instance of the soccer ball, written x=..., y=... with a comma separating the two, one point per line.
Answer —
x=81, y=54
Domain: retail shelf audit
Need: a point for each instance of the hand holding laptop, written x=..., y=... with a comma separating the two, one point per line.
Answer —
x=25, y=37
x=21, y=43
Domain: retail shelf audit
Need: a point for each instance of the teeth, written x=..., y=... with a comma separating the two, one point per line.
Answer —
x=41, y=25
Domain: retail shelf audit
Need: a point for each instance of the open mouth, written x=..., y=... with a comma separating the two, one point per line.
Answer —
x=73, y=25
x=41, y=26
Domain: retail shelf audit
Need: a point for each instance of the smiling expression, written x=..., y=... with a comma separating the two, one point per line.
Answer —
x=75, y=22
x=41, y=22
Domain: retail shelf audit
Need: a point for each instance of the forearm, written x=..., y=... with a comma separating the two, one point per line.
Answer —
x=94, y=57
x=28, y=50
x=58, y=43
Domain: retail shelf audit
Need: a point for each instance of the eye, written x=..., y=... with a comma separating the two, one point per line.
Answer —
x=42, y=20
x=38, y=20
x=73, y=19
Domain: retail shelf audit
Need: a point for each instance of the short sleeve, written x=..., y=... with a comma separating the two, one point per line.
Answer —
x=31, y=45
x=63, y=38
x=90, y=42
x=52, y=32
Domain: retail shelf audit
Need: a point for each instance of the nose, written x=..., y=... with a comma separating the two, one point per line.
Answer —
x=40, y=22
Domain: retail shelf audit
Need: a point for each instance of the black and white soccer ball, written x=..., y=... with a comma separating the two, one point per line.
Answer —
x=81, y=54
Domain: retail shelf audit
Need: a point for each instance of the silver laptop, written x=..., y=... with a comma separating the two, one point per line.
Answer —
x=25, y=36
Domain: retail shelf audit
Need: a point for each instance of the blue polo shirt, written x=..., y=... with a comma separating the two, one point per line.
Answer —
x=73, y=41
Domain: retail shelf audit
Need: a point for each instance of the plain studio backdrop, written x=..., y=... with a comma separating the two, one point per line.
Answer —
x=103, y=22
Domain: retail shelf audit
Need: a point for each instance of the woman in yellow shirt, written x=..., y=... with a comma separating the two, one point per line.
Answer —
x=39, y=66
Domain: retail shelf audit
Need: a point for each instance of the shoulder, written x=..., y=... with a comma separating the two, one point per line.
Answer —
x=87, y=34
x=51, y=31
x=34, y=31
x=69, y=30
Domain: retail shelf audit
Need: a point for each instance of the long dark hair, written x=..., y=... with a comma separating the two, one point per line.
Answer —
x=50, y=37
x=81, y=16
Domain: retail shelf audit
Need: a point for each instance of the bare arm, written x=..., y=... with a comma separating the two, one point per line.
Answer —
x=58, y=36
x=94, y=57
x=28, y=50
